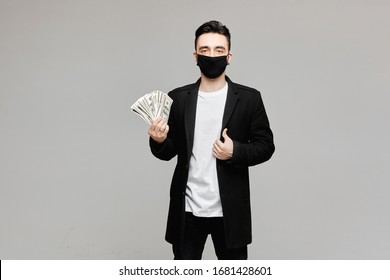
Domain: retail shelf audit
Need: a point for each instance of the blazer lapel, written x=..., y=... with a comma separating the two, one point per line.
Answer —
x=231, y=100
x=190, y=111
x=189, y=117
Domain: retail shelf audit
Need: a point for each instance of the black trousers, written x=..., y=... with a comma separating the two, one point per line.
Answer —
x=195, y=235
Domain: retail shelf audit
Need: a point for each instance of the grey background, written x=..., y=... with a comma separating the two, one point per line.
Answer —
x=77, y=179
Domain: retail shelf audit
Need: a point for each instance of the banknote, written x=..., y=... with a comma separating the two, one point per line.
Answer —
x=152, y=105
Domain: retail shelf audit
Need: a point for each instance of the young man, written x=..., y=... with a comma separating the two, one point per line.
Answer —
x=217, y=129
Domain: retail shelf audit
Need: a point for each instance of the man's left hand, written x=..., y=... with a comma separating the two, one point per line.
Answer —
x=223, y=150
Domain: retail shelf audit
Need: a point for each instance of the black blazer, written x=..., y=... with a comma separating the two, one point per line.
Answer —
x=248, y=127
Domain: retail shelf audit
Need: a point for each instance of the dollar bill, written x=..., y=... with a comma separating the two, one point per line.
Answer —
x=152, y=105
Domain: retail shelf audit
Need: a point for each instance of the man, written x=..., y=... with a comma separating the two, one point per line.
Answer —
x=217, y=129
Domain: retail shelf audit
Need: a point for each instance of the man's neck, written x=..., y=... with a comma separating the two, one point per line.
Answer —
x=212, y=85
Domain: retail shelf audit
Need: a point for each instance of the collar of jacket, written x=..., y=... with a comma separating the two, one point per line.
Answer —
x=190, y=111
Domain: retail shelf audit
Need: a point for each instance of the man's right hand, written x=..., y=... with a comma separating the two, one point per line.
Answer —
x=158, y=130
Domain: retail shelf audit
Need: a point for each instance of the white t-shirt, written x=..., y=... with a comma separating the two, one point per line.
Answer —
x=202, y=193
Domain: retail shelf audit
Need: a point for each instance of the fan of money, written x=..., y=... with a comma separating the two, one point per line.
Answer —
x=153, y=105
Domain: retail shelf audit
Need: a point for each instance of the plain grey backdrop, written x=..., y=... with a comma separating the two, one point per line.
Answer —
x=77, y=179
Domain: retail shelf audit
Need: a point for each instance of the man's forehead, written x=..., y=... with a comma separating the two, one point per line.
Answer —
x=212, y=40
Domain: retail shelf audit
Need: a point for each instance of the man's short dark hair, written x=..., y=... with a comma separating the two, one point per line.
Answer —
x=213, y=27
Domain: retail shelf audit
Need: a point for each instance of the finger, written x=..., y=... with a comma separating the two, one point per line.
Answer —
x=157, y=120
x=166, y=129
x=160, y=126
x=163, y=126
x=218, y=144
x=217, y=154
x=224, y=134
x=215, y=151
x=217, y=148
x=151, y=130
x=154, y=124
x=154, y=135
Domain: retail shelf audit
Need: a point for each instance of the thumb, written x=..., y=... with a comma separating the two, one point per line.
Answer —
x=224, y=134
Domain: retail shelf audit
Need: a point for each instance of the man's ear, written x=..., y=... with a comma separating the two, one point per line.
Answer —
x=195, y=57
x=229, y=57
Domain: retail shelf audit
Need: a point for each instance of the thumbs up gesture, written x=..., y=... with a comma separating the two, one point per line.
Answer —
x=223, y=150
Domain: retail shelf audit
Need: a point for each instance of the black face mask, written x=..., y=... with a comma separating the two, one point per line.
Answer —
x=212, y=67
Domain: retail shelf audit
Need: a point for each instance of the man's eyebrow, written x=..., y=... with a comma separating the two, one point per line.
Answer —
x=216, y=47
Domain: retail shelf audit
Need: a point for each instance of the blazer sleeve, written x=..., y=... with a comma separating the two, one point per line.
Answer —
x=260, y=145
